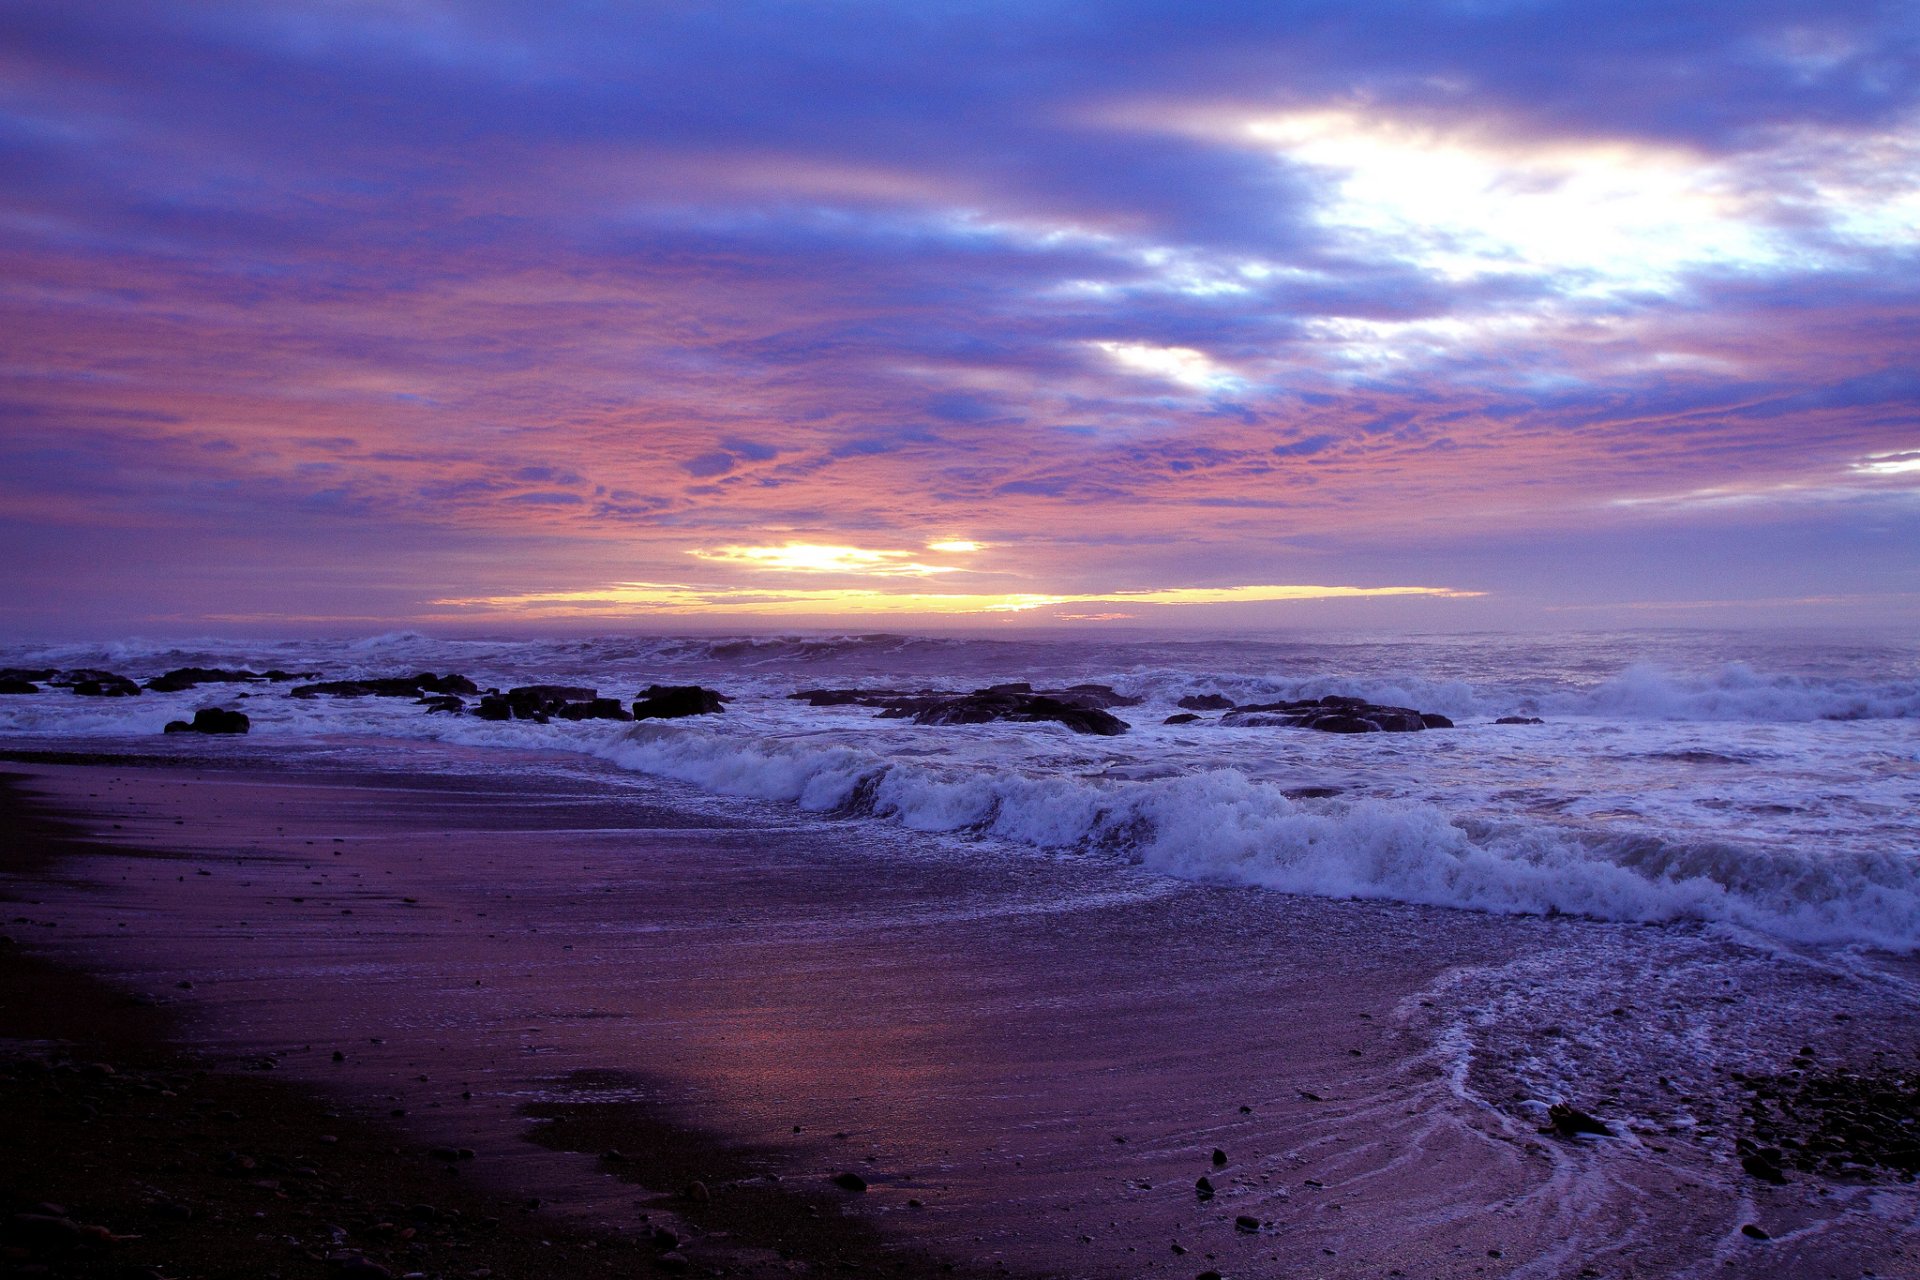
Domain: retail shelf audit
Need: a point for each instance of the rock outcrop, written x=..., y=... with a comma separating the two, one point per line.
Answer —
x=1336, y=714
x=414, y=686
x=673, y=701
x=212, y=720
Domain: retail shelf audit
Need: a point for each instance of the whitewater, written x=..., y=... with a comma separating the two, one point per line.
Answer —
x=1762, y=784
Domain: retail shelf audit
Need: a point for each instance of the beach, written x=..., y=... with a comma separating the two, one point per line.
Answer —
x=597, y=989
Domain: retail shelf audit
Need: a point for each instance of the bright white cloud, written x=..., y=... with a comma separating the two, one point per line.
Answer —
x=806, y=557
x=1184, y=365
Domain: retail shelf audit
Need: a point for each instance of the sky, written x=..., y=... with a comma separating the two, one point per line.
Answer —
x=1428, y=315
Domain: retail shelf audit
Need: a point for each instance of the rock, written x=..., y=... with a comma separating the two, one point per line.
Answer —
x=29, y=675
x=1219, y=1158
x=17, y=684
x=413, y=686
x=1569, y=1121
x=596, y=709
x=104, y=684
x=44, y=1232
x=1203, y=1187
x=1246, y=1222
x=849, y=1182
x=212, y=720
x=1206, y=702
x=1336, y=714
x=1519, y=720
x=1764, y=1165
x=536, y=702
x=447, y=703
x=671, y=702
x=1098, y=696
x=697, y=1192
x=1004, y=702
x=673, y=1260
x=1185, y=717
x=1754, y=1232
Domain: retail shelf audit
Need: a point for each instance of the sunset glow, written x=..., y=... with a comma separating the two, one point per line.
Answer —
x=345, y=312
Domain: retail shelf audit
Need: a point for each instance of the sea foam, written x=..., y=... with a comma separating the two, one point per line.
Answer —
x=1220, y=826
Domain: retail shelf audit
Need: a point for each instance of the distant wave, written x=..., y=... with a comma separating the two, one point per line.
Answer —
x=1220, y=826
x=1738, y=692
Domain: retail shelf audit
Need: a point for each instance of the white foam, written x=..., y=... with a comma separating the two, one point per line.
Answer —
x=1220, y=826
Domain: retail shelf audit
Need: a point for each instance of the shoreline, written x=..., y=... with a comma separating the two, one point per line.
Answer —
x=600, y=984
x=180, y=1163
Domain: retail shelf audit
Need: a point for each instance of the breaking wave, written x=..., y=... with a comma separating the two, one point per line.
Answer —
x=1220, y=826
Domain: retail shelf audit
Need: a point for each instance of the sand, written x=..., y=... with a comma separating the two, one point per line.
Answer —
x=606, y=992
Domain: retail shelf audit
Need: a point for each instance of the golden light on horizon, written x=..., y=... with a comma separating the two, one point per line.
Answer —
x=806, y=557
x=681, y=599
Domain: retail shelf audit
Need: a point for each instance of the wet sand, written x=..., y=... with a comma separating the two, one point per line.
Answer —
x=607, y=992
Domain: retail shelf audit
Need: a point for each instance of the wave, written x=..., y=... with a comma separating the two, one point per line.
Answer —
x=1738, y=692
x=1220, y=826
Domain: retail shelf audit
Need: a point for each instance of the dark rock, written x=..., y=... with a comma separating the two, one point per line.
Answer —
x=1185, y=717
x=444, y=703
x=494, y=707
x=413, y=686
x=1569, y=1121
x=103, y=684
x=673, y=1260
x=833, y=697
x=1764, y=1165
x=1219, y=1158
x=31, y=675
x=1002, y=702
x=212, y=720
x=849, y=1182
x=44, y=1232
x=1336, y=714
x=597, y=709
x=671, y=702
x=1203, y=1187
x=1206, y=702
x=15, y=684
x=1754, y=1232
x=1246, y=1222
x=1098, y=696
x=1519, y=720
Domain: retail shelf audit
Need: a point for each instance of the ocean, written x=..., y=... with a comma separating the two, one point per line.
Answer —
x=1763, y=783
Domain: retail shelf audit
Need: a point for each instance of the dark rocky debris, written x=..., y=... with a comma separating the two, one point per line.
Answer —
x=1519, y=720
x=10, y=683
x=212, y=720
x=1184, y=717
x=536, y=702
x=1081, y=707
x=670, y=702
x=89, y=683
x=1835, y=1123
x=1571, y=1122
x=1336, y=714
x=1206, y=702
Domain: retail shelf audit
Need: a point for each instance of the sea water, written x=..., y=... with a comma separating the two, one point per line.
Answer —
x=1765, y=783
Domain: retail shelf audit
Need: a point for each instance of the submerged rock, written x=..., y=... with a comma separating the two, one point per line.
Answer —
x=89, y=683
x=1184, y=717
x=671, y=702
x=1206, y=702
x=1519, y=720
x=16, y=684
x=212, y=720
